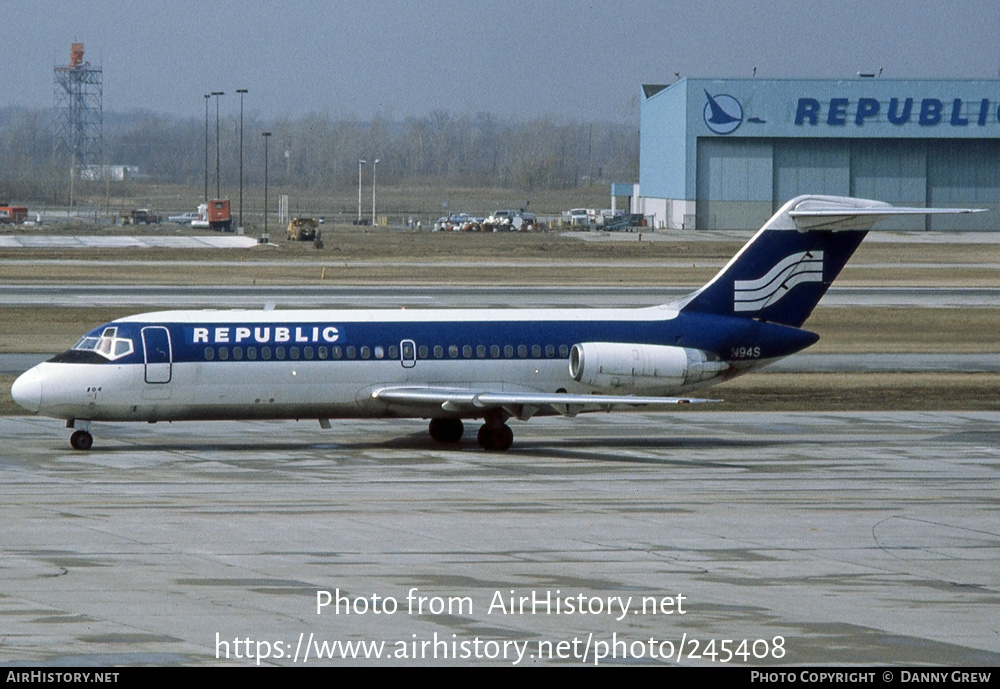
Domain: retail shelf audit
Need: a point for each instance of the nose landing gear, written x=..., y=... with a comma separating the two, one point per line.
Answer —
x=81, y=440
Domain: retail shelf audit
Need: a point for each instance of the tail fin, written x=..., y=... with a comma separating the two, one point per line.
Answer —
x=785, y=269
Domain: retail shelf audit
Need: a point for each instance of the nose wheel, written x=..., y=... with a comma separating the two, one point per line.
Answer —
x=81, y=440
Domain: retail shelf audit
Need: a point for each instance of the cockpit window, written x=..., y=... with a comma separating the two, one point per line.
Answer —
x=108, y=345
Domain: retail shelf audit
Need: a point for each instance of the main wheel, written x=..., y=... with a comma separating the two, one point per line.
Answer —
x=81, y=440
x=495, y=437
x=446, y=430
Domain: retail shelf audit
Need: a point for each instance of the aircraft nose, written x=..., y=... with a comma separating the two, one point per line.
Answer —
x=27, y=390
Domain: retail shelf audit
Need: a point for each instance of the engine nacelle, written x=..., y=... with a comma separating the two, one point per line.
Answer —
x=641, y=366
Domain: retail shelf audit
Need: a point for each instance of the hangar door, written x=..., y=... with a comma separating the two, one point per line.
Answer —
x=734, y=183
x=964, y=173
x=811, y=166
x=894, y=171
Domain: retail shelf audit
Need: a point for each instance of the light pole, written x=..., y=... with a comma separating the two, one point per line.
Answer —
x=360, y=163
x=207, y=96
x=217, y=94
x=374, y=163
x=241, y=92
x=266, y=136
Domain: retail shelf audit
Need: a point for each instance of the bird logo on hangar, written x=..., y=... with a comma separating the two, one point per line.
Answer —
x=723, y=113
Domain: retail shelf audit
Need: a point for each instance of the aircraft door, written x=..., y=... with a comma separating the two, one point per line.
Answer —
x=408, y=353
x=159, y=358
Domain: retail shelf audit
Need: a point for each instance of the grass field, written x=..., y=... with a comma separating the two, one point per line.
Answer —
x=374, y=256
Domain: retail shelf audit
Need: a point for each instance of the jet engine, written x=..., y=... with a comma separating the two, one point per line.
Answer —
x=641, y=366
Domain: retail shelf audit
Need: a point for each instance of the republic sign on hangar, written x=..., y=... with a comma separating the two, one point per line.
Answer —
x=725, y=153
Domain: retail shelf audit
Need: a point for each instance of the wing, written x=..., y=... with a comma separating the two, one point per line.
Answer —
x=521, y=405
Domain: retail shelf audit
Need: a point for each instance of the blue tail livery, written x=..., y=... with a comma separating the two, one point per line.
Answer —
x=455, y=365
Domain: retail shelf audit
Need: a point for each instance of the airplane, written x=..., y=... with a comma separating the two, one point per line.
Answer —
x=453, y=365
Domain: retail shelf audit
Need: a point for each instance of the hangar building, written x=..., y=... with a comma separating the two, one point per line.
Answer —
x=726, y=153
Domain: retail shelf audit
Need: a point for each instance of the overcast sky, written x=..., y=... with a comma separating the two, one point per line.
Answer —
x=400, y=58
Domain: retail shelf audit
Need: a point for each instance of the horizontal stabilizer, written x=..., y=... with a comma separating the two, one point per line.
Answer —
x=833, y=213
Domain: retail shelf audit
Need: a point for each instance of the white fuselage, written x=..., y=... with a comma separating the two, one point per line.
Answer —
x=325, y=364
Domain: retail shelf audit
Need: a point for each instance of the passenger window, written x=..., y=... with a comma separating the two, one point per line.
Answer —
x=563, y=351
x=536, y=351
x=422, y=351
x=337, y=353
x=508, y=351
x=550, y=351
x=481, y=351
x=238, y=353
x=323, y=353
x=438, y=351
x=467, y=351
x=252, y=353
x=352, y=353
x=495, y=351
x=265, y=353
x=394, y=352
x=308, y=352
x=279, y=352
x=522, y=351
x=366, y=352
x=453, y=351
x=380, y=352
x=223, y=353
x=209, y=353
x=294, y=352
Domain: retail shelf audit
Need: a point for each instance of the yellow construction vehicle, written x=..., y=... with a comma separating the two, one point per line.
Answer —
x=302, y=229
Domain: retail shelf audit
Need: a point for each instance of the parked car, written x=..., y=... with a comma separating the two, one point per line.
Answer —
x=183, y=218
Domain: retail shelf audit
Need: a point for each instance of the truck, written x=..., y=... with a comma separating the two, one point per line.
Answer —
x=581, y=216
x=302, y=229
x=139, y=216
x=12, y=214
x=219, y=216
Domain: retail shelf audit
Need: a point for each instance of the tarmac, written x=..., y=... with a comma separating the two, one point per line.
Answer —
x=690, y=538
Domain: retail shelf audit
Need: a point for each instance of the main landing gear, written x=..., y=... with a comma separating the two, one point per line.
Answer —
x=495, y=438
x=494, y=434
x=446, y=430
